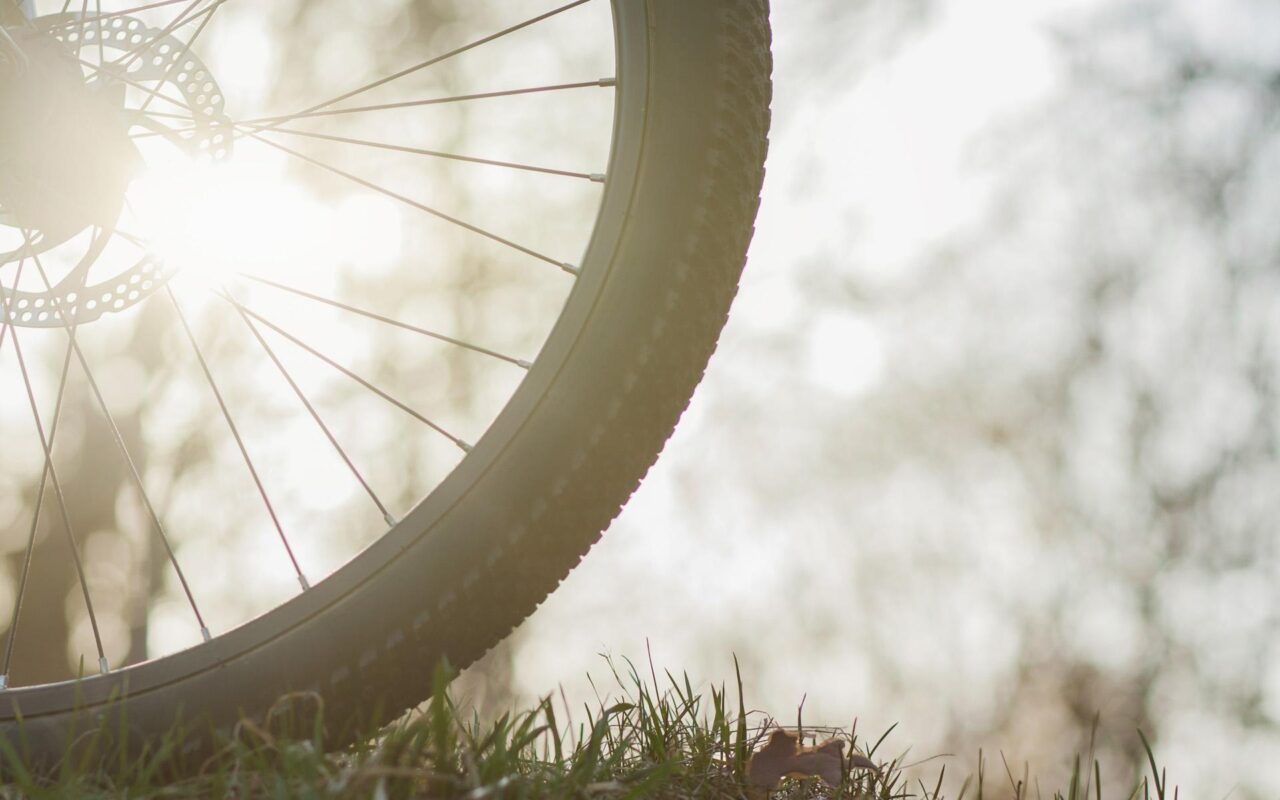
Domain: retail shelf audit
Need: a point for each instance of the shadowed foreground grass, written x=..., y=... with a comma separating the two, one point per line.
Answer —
x=659, y=739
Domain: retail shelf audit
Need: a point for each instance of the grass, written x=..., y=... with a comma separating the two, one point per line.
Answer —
x=658, y=738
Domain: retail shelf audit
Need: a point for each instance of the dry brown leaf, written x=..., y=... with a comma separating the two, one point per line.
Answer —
x=782, y=757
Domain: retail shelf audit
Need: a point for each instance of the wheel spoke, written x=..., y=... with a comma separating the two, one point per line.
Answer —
x=235, y=431
x=62, y=504
x=8, y=300
x=391, y=520
x=388, y=320
x=166, y=115
x=589, y=176
x=8, y=319
x=35, y=523
x=152, y=122
x=185, y=17
x=40, y=491
x=466, y=448
x=46, y=444
x=121, y=64
x=102, y=48
x=128, y=459
x=44, y=475
x=140, y=86
x=186, y=49
x=465, y=345
x=160, y=129
x=564, y=266
x=272, y=123
x=436, y=60
x=114, y=14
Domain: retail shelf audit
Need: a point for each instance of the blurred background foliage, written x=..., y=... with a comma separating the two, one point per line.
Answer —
x=989, y=447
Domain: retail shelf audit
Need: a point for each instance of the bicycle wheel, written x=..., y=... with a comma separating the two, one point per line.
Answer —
x=518, y=502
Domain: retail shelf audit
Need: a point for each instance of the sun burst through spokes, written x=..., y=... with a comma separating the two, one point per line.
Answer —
x=214, y=221
x=114, y=229
x=305, y=258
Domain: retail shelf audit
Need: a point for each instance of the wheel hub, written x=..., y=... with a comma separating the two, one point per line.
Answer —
x=70, y=108
x=66, y=158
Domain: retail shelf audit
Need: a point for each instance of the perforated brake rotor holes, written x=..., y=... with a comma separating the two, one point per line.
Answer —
x=157, y=60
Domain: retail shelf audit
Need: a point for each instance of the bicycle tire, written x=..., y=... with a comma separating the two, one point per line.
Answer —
x=475, y=558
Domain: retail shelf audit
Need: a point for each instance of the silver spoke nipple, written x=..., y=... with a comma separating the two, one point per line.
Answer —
x=596, y=177
x=466, y=448
x=306, y=584
x=391, y=520
x=102, y=665
x=607, y=82
x=569, y=268
x=4, y=682
x=204, y=631
x=520, y=362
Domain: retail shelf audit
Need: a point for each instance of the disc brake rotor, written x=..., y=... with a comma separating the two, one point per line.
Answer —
x=67, y=162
